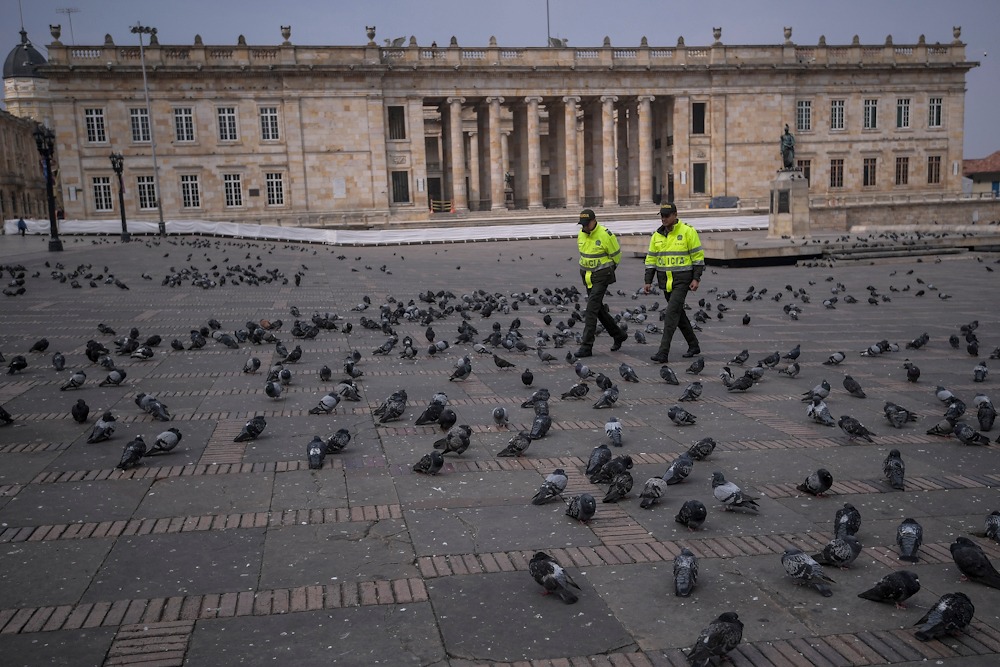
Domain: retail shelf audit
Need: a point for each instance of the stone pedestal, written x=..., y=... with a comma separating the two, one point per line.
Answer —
x=789, y=211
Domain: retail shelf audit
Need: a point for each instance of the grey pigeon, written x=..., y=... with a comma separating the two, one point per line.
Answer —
x=895, y=587
x=75, y=381
x=771, y=360
x=668, y=375
x=432, y=412
x=680, y=417
x=598, y=457
x=316, y=453
x=730, y=495
x=652, y=491
x=500, y=418
x=603, y=382
x=692, y=514
x=582, y=507
x=702, y=449
x=720, y=637
x=613, y=429
x=391, y=408
x=608, y=398
x=58, y=361
x=103, y=429
x=820, y=413
x=986, y=414
x=897, y=415
x=740, y=358
x=822, y=390
x=894, y=470
x=17, y=364
x=956, y=408
x=979, y=372
x=817, y=483
x=338, y=441
x=793, y=354
x=945, y=427
x=973, y=563
x=912, y=371
x=993, y=526
x=456, y=441
x=853, y=387
x=132, y=454
x=909, y=536
x=834, y=359
x=685, y=573
x=847, y=521
x=517, y=445
x=627, y=373
x=463, y=369
x=252, y=365
x=679, y=469
x=577, y=391
x=447, y=419
x=944, y=394
x=582, y=370
x=621, y=486
x=839, y=552
x=969, y=436
x=612, y=468
x=80, y=411
x=541, y=425
x=326, y=405
x=165, y=442
x=325, y=373
x=854, y=429
x=429, y=464
x=539, y=395
x=950, y=614
x=272, y=389
x=544, y=356
x=551, y=576
x=741, y=383
x=252, y=429
x=553, y=486
x=692, y=392
x=347, y=390
x=791, y=370
x=696, y=367
x=804, y=570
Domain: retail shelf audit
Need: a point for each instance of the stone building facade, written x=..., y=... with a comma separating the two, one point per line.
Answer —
x=331, y=135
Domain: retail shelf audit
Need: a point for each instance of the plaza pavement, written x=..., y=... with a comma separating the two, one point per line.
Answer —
x=223, y=553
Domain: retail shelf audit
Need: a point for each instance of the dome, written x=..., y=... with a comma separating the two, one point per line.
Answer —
x=23, y=60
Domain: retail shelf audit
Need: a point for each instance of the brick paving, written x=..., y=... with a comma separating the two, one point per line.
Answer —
x=323, y=547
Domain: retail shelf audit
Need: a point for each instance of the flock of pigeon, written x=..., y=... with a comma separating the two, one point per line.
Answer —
x=952, y=612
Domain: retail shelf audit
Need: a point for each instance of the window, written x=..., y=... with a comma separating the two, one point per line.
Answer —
x=903, y=112
x=806, y=167
x=147, y=192
x=902, y=171
x=190, y=191
x=934, y=169
x=227, y=124
x=698, y=118
x=94, y=119
x=803, y=116
x=837, y=173
x=102, y=193
x=699, y=178
x=397, y=123
x=868, y=172
x=871, y=114
x=400, y=187
x=139, y=122
x=837, y=114
x=935, y=110
x=275, y=188
x=234, y=189
x=269, y=124
x=184, y=124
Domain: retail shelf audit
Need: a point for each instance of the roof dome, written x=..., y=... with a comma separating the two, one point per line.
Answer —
x=23, y=60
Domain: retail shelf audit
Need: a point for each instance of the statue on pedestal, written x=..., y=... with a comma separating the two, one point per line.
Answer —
x=787, y=149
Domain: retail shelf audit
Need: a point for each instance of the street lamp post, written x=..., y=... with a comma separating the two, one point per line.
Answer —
x=118, y=164
x=45, y=140
x=139, y=29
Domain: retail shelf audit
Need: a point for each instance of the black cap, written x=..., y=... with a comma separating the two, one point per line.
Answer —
x=667, y=209
x=586, y=215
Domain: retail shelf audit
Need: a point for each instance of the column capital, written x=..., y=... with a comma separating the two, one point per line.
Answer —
x=454, y=100
x=646, y=98
x=471, y=133
x=571, y=99
x=609, y=98
x=494, y=99
x=533, y=99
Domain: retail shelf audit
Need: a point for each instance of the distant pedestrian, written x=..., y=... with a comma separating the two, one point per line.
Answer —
x=599, y=257
x=677, y=261
x=22, y=226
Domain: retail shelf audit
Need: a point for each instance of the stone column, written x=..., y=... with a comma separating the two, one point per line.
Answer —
x=474, y=195
x=608, y=148
x=459, y=201
x=496, y=156
x=645, y=150
x=572, y=173
x=624, y=149
x=534, y=154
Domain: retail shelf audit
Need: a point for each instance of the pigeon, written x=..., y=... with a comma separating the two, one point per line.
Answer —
x=909, y=536
x=540, y=426
x=945, y=427
x=627, y=373
x=347, y=390
x=603, y=382
x=692, y=392
x=912, y=372
x=821, y=391
x=979, y=372
x=720, y=637
x=894, y=469
x=338, y=441
x=544, y=356
x=273, y=389
x=685, y=573
x=969, y=436
x=679, y=469
x=551, y=576
x=741, y=383
x=621, y=486
x=853, y=387
x=611, y=469
x=804, y=570
x=697, y=366
x=325, y=373
x=537, y=396
x=114, y=378
x=740, y=358
x=502, y=363
x=820, y=413
x=652, y=491
x=103, y=429
x=293, y=356
x=608, y=398
x=793, y=354
x=76, y=380
x=956, y=408
x=582, y=370
x=500, y=418
x=582, y=507
x=839, y=552
x=702, y=449
x=577, y=391
x=847, y=521
x=433, y=411
x=897, y=415
x=854, y=429
x=17, y=364
x=692, y=514
x=40, y=345
x=326, y=405
x=132, y=454
x=80, y=411
x=553, y=486
x=950, y=614
x=613, y=429
x=252, y=429
x=817, y=483
x=895, y=587
x=944, y=394
x=316, y=452
x=986, y=414
x=598, y=457
x=771, y=360
x=527, y=377
x=730, y=495
x=165, y=442
x=447, y=419
x=58, y=361
x=973, y=562
x=680, y=417
x=429, y=464
x=5, y=417
x=517, y=445
x=391, y=408
x=463, y=369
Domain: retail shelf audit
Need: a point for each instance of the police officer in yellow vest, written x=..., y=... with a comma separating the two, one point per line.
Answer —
x=676, y=259
x=599, y=257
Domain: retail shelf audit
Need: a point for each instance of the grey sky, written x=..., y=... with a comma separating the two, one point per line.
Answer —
x=523, y=23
